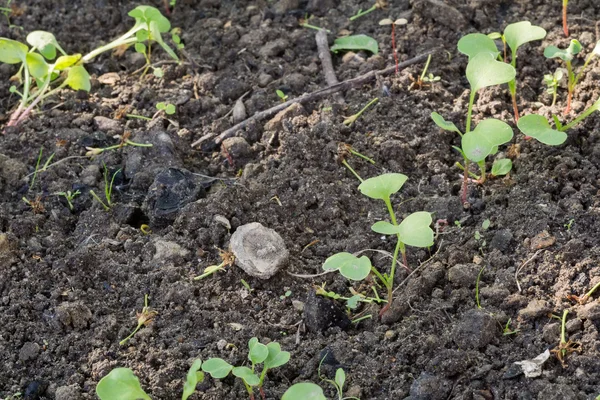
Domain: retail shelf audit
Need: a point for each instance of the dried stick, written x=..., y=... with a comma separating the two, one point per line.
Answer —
x=326, y=63
x=316, y=95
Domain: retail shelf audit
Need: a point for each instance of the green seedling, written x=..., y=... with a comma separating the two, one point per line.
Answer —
x=287, y=294
x=565, y=3
x=227, y=260
x=538, y=127
x=507, y=330
x=564, y=347
x=37, y=206
x=515, y=35
x=414, y=231
x=351, y=302
x=37, y=75
x=378, y=4
x=176, y=38
x=501, y=167
x=552, y=81
x=483, y=70
x=304, y=391
x=8, y=11
x=122, y=384
x=108, y=188
x=424, y=80
x=338, y=382
x=344, y=151
x=69, y=196
x=144, y=318
x=355, y=42
x=569, y=224
x=94, y=151
x=583, y=300
x=150, y=24
x=567, y=55
x=246, y=285
x=37, y=166
x=400, y=21
x=270, y=356
x=168, y=108
x=351, y=119
x=281, y=95
x=485, y=225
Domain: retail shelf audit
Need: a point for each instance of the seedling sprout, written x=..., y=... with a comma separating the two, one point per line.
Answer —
x=378, y=4
x=565, y=347
x=552, y=81
x=400, y=21
x=108, y=188
x=144, y=318
x=227, y=260
x=424, y=80
x=281, y=95
x=69, y=196
x=351, y=302
x=351, y=119
x=567, y=55
x=355, y=42
x=583, y=300
x=344, y=151
x=94, y=151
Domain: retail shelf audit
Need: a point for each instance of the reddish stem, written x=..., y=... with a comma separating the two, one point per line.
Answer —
x=564, y=16
x=515, y=107
x=262, y=393
x=465, y=185
x=569, y=99
x=385, y=308
x=167, y=8
x=394, y=47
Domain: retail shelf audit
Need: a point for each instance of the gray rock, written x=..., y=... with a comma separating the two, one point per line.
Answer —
x=501, y=240
x=274, y=48
x=430, y=387
x=166, y=250
x=237, y=147
x=11, y=171
x=258, y=250
x=70, y=392
x=90, y=175
x=590, y=311
x=239, y=112
x=283, y=6
x=464, y=275
x=475, y=330
x=551, y=332
x=76, y=315
x=264, y=79
x=29, y=351
x=107, y=124
x=296, y=81
x=535, y=309
x=557, y=391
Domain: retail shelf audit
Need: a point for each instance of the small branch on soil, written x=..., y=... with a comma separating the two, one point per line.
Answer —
x=308, y=276
x=420, y=266
x=524, y=264
x=327, y=64
x=316, y=95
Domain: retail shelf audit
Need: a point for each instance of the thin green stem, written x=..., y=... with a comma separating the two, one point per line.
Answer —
x=425, y=68
x=356, y=153
x=482, y=169
x=471, y=174
x=365, y=12
x=580, y=118
x=589, y=294
x=582, y=69
x=350, y=120
x=309, y=26
x=563, y=334
x=37, y=167
x=356, y=321
x=470, y=111
x=94, y=195
x=138, y=117
x=379, y=276
x=352, y=170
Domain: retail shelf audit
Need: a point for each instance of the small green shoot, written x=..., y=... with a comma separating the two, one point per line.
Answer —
x=400, y=21
x=565, y=347
x=168, y=108
x=305, y=24
x=344, y=150
x=246, y=285
x=227, y=260
x=583, y=300
x=121, y=384
x=569, y=224
x=567, y=55
x=69, y=196
x=94, y=151
x=501, y=167
x=270, y=356
x=355, y=42
x=360, y=13
x=37, y=166
x=338, y=382
x=144, y=318
x=9, y=11
x=477, y=287
x=281, y=95
x=351, y=119
x=193, y=378
x=506, y=331
x=351, y=302
x=108, y=188
x=424, y=80
x=287, y=294
x=552, y=81
x=176, y=38
x=538, y=127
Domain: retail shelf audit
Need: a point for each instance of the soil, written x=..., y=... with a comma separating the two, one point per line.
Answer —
x=73, y=280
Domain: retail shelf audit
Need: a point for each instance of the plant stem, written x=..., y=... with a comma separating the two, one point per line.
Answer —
x=394, y=48
x=564, y=16
x=365, y=12
x=126, y=39
x=563, y=335
x=138, y=117
x=589, y=294
x=316, y=28
x=481, y=164
x=571, y=87
x=577, y=120
x=471, y=174
x=349, y=121
x=94, y=195
x=352, y=170
x=425, y=68
x=357, y=320
x=356, y=153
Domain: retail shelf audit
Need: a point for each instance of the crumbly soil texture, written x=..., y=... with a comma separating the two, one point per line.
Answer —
x=72, y=279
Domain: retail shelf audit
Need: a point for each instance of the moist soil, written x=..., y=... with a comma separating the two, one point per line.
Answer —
x=72, y=280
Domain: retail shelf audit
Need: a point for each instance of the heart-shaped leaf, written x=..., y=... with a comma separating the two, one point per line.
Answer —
x=247, y=375
x=304, y=391
x=349, y=265
x=217, y=367
x=382, y=186
x=192, y=379
x=12, y=52
x=442, y=123
x=501, y=167
x=37, y=65
x=355, y=42
x=519, y=33
x=258, y=352
x=78, y=79
x=475, y=43
x=149, y=14
x=567, y=54
x=276, y=357
x=497, y=132
x=415, y=231
x=45, y=43
x=120, y=384
x=485, y=70
x=538, y=127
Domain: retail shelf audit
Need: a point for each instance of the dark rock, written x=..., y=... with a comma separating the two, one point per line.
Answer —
x=501, y=240
x=557, y=391
x=237, y=147
x=321, y=314
x=393, y=314
x=464, y=275
x=229, y=89
x=264, y=79
x=551, y=332
x=430, y=387
x=11, y=171
x=172, y=189
x=475, y=330
x=296, y=81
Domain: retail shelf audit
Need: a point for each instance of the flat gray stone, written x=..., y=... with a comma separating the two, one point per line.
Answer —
x=258, y=250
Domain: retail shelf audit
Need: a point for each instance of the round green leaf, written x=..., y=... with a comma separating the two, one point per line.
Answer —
x=37, y=65
x=140, y=48
x=349, y=265
x=475, y=43
x=148, y=14
x=442, y=123
x=340, y=377
x=415, y=230
x=217, y=367
x=475, y=146
x=382, y=186
x=485, y=70
x=64, y=62
x=258, y=352
x=495, y=131
x=120, y=384
x=45, y=43
x=352, y=302
x=170, y=109
x=304, y=391
x=192, y=379
x=538, y=127
x=519, y=33
x=12, y=52
x=385, y=228
x=247, y=375
x=501, y=167
x=78, y=79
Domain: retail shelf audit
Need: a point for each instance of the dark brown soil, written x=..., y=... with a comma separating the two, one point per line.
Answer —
x=72, y=281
